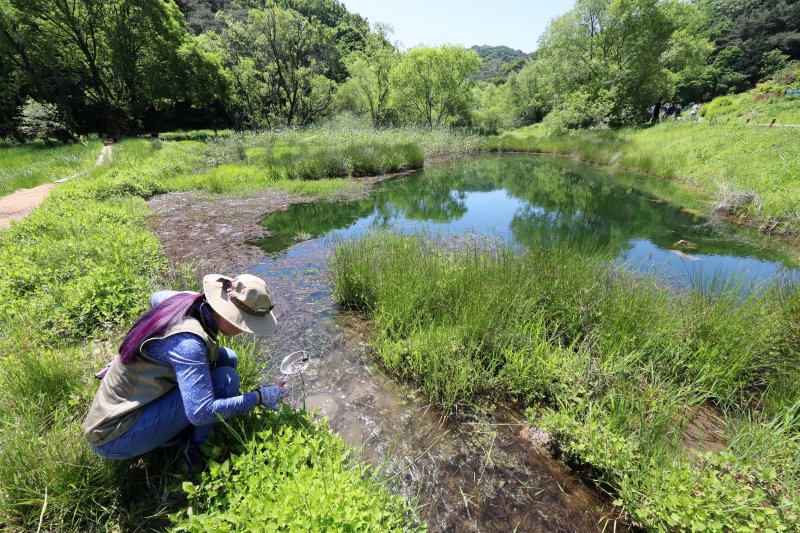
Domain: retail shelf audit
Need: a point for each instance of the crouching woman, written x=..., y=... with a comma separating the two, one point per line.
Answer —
x=172, y=380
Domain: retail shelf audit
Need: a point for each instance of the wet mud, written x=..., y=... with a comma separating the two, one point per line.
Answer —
x=488, y=471
x=212, y=232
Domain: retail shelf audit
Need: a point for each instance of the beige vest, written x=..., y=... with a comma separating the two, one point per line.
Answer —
x=125, y=389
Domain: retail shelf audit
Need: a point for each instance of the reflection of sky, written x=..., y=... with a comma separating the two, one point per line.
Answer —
x=690, y=268
x=492, y=213
x=486, y=212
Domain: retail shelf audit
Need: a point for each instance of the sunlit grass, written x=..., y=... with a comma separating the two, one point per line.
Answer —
x=754, y=108
x=726, y=160
x=614, y=365
x=81, y=267
x=29, y=165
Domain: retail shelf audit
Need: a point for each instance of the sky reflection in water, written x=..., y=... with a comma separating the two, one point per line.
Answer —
x=529, y=200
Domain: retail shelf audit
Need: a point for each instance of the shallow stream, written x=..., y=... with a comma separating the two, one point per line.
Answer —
x=488, y=472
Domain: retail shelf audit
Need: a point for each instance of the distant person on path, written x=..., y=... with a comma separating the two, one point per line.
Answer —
x=695, y=109
x=667, y=110
x=172, y=379
x=676, y=111
x=656, y=112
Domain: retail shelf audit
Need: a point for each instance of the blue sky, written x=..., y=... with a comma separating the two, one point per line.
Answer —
x=514, y=23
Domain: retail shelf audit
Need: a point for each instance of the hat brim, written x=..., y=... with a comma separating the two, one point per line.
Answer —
x=218, y=299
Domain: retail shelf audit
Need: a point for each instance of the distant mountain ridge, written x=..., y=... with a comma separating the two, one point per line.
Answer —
x=499, y=62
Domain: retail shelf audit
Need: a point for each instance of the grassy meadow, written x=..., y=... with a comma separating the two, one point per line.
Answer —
x=616, y=367
x=756, y=106
x=29, y=165
x=752, y=172
x=77, y=272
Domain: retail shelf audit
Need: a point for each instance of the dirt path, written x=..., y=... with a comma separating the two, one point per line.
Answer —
x=21, y=203
x=18, y=204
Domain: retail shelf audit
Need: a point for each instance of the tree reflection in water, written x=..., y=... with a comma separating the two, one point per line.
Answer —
x=535, y=200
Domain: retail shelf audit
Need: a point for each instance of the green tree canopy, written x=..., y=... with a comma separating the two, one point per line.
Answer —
x=275, y=60
x=432, y=85
x=370, y=72
x=608, y=51
x=105, y=63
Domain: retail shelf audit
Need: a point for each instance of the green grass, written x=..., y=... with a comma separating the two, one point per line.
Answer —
x=754, y=106
x=80, y=269
x=26, y=166
x=726, y=160
x=194, y=135
x=610, y=363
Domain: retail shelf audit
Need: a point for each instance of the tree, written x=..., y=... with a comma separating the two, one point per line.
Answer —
x=433, y=84
x=40, y=120
x=493, y=109
x=754, y=27
x=106, y=63
x=688, y=51
x=275, y=59
x=608, y=50
x=296, y=50
x=530, y=92
x=370, y=71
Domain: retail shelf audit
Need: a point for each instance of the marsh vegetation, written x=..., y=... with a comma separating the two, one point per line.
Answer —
x=679, y=401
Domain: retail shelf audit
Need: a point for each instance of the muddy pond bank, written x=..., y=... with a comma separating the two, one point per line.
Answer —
x=480, y=473
x=212, y=232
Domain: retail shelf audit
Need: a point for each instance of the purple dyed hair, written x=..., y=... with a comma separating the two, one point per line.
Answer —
x=157, y=320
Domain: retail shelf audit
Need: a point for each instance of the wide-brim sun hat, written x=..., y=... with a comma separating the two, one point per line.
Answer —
x=244, y=301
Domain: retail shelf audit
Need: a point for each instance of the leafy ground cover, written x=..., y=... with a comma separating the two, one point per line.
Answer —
x=296, y=475
x=617, y=368
x=77, y=272
x=754, y=173
x=762, y=105
x=29, y=165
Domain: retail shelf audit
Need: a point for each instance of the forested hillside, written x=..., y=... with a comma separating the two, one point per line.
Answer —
x=498, y=62
x=123, y=66
x=605, y=63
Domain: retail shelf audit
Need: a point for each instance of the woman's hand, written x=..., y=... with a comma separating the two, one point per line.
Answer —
x=271, y=395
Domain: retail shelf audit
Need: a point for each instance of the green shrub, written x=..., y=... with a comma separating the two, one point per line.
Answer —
x=194, y=135
x=580, y=110
x=41, y=121
x=290, y=474
x=718, y=106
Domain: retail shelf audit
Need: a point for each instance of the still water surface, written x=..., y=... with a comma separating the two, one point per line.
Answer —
x=526, y=200
x=484, y=471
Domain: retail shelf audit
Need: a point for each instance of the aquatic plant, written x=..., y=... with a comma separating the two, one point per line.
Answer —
x=615, y=366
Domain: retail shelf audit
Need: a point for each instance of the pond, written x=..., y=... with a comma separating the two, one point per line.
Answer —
x=483, y=470
x=650, y=225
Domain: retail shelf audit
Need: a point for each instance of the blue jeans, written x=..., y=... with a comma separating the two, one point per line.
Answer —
x=164, y=419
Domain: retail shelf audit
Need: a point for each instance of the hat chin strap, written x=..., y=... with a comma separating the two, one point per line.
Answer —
x=243, y=307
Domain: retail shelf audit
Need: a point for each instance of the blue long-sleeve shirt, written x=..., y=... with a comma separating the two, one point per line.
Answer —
x=188, y=355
